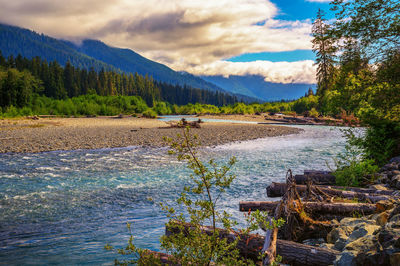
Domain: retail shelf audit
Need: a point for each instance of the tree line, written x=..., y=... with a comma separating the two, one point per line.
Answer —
x=21, y=78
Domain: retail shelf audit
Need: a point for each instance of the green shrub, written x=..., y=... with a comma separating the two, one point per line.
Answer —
x=149, y=113
x=313, y=112
x=356, y=173
x=352, y=167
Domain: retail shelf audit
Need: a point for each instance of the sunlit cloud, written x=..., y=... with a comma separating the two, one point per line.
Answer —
x=185, y=35
x=278, y=72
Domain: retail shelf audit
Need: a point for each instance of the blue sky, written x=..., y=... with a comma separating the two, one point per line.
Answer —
x=289, y=10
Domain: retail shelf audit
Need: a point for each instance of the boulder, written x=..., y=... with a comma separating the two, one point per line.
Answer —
x=349, y=221
x=362, y=230
x=388, y=237
x=395, y=182
x=395, y=160
x=390, y=166
x=395, y=219
x=346, y=259
x=382, y=218
x=339, y=232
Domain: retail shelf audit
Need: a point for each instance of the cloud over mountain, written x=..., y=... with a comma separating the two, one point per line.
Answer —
x=186, y=35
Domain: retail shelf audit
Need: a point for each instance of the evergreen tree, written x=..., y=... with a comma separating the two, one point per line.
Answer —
x=323, y=46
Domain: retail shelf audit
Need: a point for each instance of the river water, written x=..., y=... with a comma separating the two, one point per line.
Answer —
x=63, y=207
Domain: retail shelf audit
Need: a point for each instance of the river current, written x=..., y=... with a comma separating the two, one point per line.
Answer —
x=63, y=207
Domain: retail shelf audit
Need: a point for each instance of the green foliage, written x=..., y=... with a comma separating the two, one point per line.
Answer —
x=364, y=80
x=200, y=200
x=374, y=23
x=189, y=244
x=149, y=113
x=355, y=173
x=353, y=168
x=305, y=104
x=324, y=51
x=20, y=78
x=313, y=112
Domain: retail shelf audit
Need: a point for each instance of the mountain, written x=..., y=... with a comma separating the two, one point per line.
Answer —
x=129, y=61
x=256, y=86
x=15, y=40
x=96, y=54
x=91, y=53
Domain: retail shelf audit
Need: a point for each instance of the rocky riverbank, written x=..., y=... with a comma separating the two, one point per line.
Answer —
x=373, y=239
x=49, y=134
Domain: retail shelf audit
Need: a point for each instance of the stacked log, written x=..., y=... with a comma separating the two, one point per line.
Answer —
x=371, y=195
x=316, y=178
x=341, y=209
x=250, y=246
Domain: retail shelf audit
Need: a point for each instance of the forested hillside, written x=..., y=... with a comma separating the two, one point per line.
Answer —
x=22, y=78
x=91, y=54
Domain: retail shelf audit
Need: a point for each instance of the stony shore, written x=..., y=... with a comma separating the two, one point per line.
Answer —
x=49, y=134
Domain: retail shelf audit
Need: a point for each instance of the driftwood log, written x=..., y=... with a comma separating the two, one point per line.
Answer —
x=314, y=207
x=319, y=178
x=278, y=190
x=293, y=253
x=184, y=123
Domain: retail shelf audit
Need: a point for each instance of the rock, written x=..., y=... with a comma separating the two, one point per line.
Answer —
x=339, y=232
x=395, y=182
x=348, y=221
x=340, y=243
x=372, y=257
x=395, y=219
x=382, y=218
x=346, y=259
x=394, y=211
x=395, y=160
x=362, y=230
x=395, y=259
x=363, y=244
x=388, y=237
x=384, y=205
x=389, y=167
x=326, y=245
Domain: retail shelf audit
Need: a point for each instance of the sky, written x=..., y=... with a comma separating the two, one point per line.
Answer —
x=270, y=38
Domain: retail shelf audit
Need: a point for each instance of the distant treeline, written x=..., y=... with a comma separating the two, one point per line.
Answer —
x=21, y=78
x=35, y=87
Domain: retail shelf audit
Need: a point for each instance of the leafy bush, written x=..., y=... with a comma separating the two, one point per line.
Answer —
x=313, y=112
x=356, y=173
x=352, y=166
x=149, y=113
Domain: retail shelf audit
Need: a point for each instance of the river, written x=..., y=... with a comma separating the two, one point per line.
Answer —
x=63, y=207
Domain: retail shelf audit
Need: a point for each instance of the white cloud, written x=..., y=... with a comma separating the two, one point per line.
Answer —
x=186, y=35
x=279, y=72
